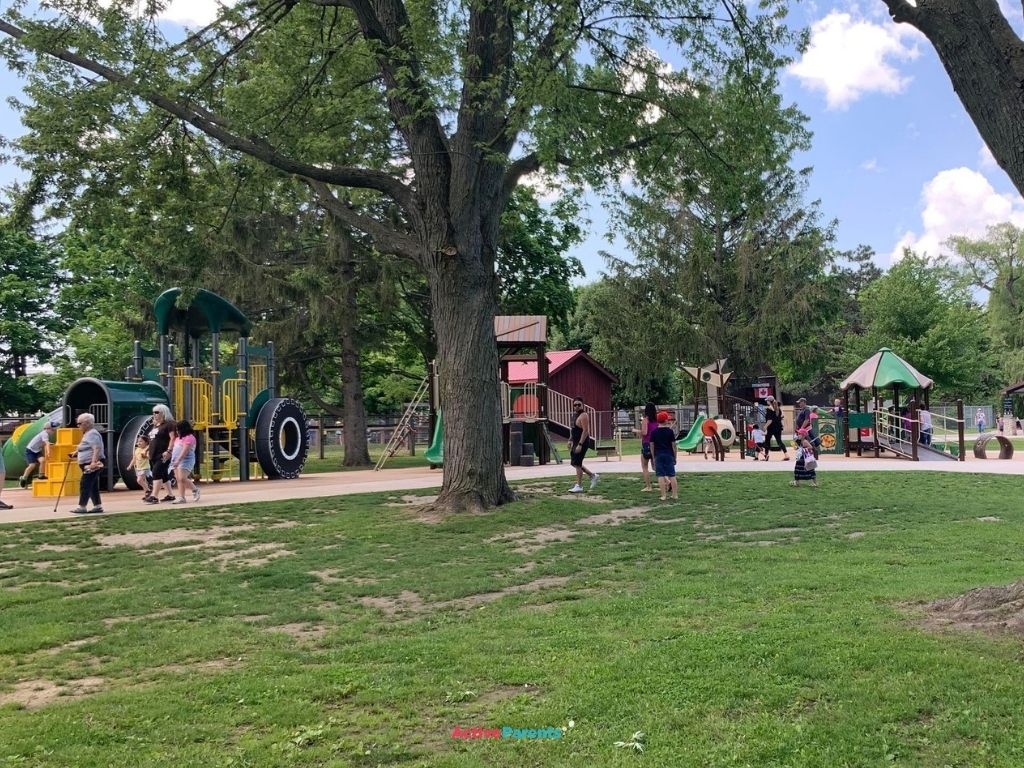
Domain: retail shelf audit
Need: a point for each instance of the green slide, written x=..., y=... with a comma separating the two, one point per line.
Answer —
x=435, y=453
x=14, y=449
x=694, y=436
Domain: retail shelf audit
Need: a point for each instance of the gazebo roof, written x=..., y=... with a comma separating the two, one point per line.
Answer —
x=883, y=369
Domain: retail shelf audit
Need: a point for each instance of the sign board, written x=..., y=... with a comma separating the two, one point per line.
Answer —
x=1007, y=405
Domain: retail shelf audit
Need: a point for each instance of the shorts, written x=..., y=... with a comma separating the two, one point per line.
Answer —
x=664, y=465
x=31, y=457
x=576, y=459
x=159, y=468
x=3, y=469
x=645, y=450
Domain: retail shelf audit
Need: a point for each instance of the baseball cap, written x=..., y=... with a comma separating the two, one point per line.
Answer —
x=662, y=417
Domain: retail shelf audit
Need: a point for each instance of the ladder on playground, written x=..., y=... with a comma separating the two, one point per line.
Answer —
x=551, y=443
x=405, y=425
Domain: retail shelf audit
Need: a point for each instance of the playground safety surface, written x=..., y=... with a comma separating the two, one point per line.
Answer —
x=28, y=509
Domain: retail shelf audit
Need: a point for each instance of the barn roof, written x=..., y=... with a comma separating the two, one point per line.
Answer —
x=524, y=372
x=512, y=330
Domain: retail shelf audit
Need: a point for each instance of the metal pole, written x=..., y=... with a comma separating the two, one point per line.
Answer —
x=243, y=396
x=215, y=377
x=915, y=429
x=165, y=365
x=271, y=377
x=874, y=432
x=170, y=381
x=845, y=426
x=960, y=427
x=137, y=361
x=320, y=433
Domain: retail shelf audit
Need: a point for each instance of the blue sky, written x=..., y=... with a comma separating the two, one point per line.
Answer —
x=896, y=159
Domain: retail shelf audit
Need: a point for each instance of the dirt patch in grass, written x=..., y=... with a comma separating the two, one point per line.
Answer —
x=989, y=519
x=56, y=548
x=615, y=517
x=411, y=603
x=583, y=497
x=251, y=557
x=505, y=692
x=304, y=631
x=410, y=500
x=990, y=609
x=330, y=576
x=42, y=565
x=766, y=530
x=286, y=524
x=36, y=694
x=856, y=535
x=213, y=665
x=405, y=602
x=530, y=541
x=171, y=536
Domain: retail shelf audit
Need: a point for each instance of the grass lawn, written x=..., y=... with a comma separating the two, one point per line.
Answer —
x=749, y=624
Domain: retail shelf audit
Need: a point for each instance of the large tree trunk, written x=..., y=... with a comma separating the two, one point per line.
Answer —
x=357, y=453
x=984, y=59
x=463, y=294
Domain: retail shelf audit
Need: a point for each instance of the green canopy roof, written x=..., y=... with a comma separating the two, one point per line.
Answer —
x=883, y=369
x=208, y=313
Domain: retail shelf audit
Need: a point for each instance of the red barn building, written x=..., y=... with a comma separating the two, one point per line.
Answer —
x=574, y=373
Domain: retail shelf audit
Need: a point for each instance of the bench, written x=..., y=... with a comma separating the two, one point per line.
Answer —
x=607, y=450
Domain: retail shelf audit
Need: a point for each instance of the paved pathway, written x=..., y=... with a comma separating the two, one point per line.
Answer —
x=27, y=508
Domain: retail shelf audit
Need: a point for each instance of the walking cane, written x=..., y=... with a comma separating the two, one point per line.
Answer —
x=61, y=491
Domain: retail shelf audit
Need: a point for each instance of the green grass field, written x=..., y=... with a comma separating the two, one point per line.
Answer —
x=748, y=624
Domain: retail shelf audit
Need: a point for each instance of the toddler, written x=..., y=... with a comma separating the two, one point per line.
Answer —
x=140, y=463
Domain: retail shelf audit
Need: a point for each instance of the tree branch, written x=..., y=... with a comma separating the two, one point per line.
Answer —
x=903, y=12
x=387, y=240
x=217, y=128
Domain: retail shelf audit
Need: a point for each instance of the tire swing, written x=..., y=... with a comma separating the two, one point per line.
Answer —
x=139, y=425
x=281, y=438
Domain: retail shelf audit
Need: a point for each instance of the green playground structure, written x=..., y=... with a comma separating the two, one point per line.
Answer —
x=435, y=453
x=694, y=436
x=14, y=449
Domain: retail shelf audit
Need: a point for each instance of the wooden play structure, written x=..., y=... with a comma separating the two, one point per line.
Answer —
x=714, y=378
x=902, y=430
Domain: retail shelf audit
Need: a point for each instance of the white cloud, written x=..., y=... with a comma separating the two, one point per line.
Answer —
x=958, y=201
x=871, y=166
x=985, y=157
x=191, y=12
x=546, y=186
x=849, y=57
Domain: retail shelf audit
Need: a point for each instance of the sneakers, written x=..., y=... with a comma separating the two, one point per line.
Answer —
x=593, y=480
x=42, y=477
x=151, y=500
x=179, y=500
x=168, y=497
x=196, y=494
x=576, y=489
x=96, y=510
x=5, y=505
x=23, y=481
x=79, y=511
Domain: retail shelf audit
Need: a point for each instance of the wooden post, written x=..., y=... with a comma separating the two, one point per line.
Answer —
x=741, y=427
x=960, y=428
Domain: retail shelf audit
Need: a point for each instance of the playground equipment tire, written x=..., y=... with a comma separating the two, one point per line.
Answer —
x=138, y=425
x=1005, y=446
x=282, y=439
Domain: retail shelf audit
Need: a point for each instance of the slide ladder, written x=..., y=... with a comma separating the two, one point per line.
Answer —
x=551, y=443
x=405, y=424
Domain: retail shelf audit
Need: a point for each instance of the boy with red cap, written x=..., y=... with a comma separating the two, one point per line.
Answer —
x=663, y=446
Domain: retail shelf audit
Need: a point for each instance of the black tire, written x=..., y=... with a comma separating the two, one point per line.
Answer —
x=139, y=425
x=282, y=438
